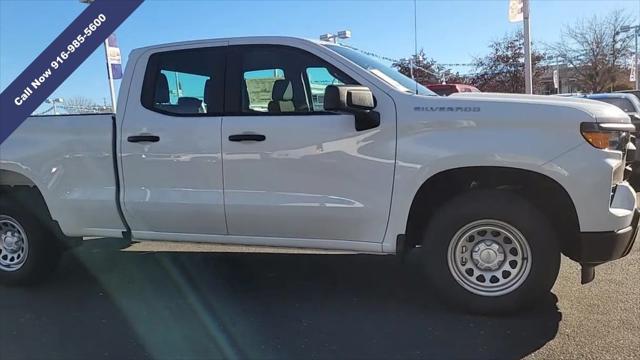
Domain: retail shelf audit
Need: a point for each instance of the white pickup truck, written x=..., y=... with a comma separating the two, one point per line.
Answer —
x=285, y=142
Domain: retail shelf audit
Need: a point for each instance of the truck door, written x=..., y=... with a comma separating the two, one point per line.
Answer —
x=170, y=145
x=292, y=169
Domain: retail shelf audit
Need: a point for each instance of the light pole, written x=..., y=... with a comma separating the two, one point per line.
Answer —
x=528, y=76
x=344, y=34
x=636, y=30
x=54, y=102
x=112, y=90
x=519, y=11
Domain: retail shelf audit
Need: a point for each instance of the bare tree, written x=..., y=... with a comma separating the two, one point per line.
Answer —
x=455, y=77
x=502, y=70
x=595, y=51
x=425, y=71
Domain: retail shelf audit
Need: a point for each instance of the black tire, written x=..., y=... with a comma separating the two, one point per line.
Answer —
x=505, y=207
x=43, y=253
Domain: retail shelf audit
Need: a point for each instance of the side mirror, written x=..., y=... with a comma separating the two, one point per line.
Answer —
x=353, y=99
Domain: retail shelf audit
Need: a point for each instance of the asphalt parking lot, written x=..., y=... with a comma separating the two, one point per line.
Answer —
x=189, y=304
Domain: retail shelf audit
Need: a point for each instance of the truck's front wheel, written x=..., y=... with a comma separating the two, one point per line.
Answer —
x=491, y=251
x=28, y=250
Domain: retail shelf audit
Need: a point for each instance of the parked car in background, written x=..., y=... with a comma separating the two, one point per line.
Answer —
x=448, y=89
x=626, y=102
x=636, y=93
x=630, y=104
x=623, y=100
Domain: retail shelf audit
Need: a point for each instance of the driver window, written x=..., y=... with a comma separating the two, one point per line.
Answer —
x=275, y=79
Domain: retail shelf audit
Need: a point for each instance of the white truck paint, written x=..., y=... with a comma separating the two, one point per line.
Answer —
x=316, y=181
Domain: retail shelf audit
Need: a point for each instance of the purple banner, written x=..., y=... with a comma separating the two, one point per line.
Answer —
x=113, y=57
x=61, y=58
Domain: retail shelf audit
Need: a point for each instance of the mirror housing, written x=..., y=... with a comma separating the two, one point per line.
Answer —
x=353, y=99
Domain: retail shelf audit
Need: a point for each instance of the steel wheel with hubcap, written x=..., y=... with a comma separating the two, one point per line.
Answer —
x=489, y=257
x=490, y=252
x=14, y=244
x=29, y=250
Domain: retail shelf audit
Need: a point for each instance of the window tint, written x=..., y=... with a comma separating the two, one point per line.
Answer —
x=319, y=79
x=187, y=82
x=184, y=87
x=279, y=79
x=260, y=87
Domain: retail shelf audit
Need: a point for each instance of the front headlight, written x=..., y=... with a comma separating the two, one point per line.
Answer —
x=609, y=136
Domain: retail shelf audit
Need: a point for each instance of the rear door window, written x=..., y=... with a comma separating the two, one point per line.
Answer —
x=186, y=92
x=185, y=82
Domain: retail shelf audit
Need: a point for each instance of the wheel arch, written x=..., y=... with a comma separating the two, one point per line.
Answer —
x=20, y=189
x=549, y=196
x=13, y=178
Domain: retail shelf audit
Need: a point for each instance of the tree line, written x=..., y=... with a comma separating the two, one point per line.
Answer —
x=594, y=52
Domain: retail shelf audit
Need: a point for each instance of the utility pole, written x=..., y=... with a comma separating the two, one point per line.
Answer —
x=636, y=31
x=528, y=77
x=112, y=89
x=415, y=42
x=519, y=11
x=559, y=87
x=635, y=57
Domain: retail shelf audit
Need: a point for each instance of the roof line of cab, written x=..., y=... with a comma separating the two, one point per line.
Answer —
x=249, y=39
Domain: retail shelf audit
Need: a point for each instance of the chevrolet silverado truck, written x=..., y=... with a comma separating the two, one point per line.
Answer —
x=285, y=142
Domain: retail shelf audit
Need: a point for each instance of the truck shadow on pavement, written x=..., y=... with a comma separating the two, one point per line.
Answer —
x=111, y=304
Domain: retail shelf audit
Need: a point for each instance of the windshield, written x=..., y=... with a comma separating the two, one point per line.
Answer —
x=382, y=71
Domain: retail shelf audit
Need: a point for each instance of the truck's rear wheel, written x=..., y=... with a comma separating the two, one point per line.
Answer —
x=491, y=251
x=28, y=250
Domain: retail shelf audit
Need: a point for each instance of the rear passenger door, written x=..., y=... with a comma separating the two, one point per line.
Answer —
x=293, y=170
x=170, y=145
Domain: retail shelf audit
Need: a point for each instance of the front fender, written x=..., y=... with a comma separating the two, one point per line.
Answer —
x=428, y=151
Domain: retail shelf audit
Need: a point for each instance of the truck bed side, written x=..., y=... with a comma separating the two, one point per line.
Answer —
x=69, y=158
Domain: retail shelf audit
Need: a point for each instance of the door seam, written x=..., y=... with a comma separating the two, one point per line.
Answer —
x=224, y=196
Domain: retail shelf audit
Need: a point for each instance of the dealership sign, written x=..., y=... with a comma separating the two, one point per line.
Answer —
x=114, y=60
